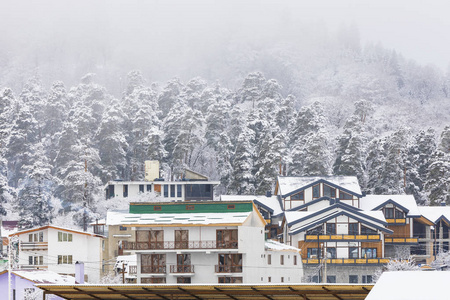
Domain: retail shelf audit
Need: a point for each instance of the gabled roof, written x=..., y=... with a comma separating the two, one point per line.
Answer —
x=436, y=213
x=302, y=221
x=291, y=185
x=376, y=202
x=42, y=276
x=57, y=228
x=269, y=203
x=180, y=219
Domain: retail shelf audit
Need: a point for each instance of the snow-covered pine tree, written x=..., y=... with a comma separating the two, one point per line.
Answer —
x=420, y=152
x=111, y=142
x=170, y=96
x=36, y=189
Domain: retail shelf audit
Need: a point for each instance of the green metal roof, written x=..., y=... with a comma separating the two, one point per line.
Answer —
x=190, y=207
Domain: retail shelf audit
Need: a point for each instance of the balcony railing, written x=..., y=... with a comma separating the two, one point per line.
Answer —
x=228, y=269
x=401, y=240
x=33, y=267
x=343, y=237
x=181, y=269
x=179, y=245
x=153, y=269
x=33, y=246
x=396, y=221
x=347, y=261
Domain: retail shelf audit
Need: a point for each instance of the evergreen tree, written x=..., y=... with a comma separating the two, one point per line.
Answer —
x=112, y=143
x=35, y=191
x=170, y=96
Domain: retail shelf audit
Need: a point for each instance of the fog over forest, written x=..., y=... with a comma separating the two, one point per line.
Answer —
x=229, y=89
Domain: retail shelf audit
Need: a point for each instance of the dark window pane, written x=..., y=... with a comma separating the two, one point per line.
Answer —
x=166, y=191
x=353, y=279
x=172, y=190
x=353, y=228
x=141, y=188
x=316, y=191
x=331, y=279
x=149, y=187
x=178, y=190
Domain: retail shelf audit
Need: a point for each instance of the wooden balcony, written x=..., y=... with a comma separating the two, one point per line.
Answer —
x=228, y=269
x=401, y=240
x=348, y=261
x=193, y=245
x=396, y=221
x=33, y=246
x=344, y=237
x=153, y=269
x=181, y=269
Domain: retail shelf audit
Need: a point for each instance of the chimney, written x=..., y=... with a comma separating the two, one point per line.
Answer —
x=79, y=272
x=151, y=170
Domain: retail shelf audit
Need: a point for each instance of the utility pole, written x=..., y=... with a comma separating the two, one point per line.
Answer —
x=9, y=268
x=123, y=272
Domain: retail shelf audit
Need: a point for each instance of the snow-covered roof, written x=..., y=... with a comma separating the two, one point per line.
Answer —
x=43, y=276
x=301, y=221
x=370, y=202
x=290, y=184
x=57, y=228
x=271, y=202
x=411, y=285
x=116, y=218
x=434, y=213
x=274, y=245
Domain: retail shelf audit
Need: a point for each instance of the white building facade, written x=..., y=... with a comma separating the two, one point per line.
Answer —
x=58, y=249
x=205, y=242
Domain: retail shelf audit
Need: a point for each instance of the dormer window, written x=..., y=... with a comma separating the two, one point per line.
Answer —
x=328, y=191
x=316, y=191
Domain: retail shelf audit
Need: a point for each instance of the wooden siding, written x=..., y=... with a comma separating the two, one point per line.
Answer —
x=377, y=245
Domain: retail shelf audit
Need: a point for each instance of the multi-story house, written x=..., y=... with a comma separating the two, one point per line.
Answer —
x=191, y=186
x=58, y=249
x=203, y=242
x=345, y=236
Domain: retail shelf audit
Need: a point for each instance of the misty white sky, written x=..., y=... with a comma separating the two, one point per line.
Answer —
x=157, y=30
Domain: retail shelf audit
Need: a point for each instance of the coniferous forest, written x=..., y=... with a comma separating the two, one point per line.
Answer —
x=339, y=108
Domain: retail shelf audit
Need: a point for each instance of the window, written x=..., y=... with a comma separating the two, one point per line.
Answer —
x=369, y=252
x=157, y=207
x=190, y=207
x=231, y=206
x=295, y=260
x=269, y=259
x=183, y=279
x=125, y=190
x=181, y=239
x=172, y=191
x=149, y=187
x=331, y=228
x=64, y=237
x=331, y=279
x=64, y=259
x=314, y=231
x=353, y=279
x=316, y=191
x=367, y=230
x=345, y=196
x=227, y=238
x=399, y=214
x=389, y=213
x=229, y=263
x=282, y=279
x=331, y=252
x=230, y=279
x=178, y=190
x=153, y=280
x=156, y=239
x=314, y=279
x=328, y=191
x=166, y=191
x=184, y=264
x=353, y=229
x=269, y=279
x=141, y=188
x=367, y=279
x=281, y=259
x=312, y=253
x=298, y=196
x=153, y=263
x=122, y=228
x=353, y=252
